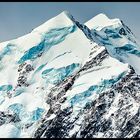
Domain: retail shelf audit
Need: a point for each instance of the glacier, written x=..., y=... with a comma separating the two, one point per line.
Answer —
x=51, y=38
x=66, y=79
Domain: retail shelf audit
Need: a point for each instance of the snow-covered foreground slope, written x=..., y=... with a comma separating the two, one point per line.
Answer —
x=63, y=80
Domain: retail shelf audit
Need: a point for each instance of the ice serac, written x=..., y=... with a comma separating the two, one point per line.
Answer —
x=62, y=81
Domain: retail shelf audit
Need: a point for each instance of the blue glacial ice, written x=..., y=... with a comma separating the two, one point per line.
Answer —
x=6, y=88
x=36, y=114
x=18, y=91
x=95, y=89
x=40, y=68
x=16, y=108
x=26, y=116
x=127, y=49
x=59, y=74
x=7, y=50
x=2, y=99
x=51, y=38
x=120, y=44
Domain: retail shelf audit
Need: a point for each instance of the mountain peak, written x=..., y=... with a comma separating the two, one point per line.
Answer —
x=63, y=19
x=101, y=16
x=101, y=20
x=66, y=13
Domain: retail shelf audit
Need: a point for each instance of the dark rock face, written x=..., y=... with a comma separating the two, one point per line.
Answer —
x=8, y=118
x=113, y=114
x=58, y=126
x=121, y=123
x=122, y=32
x=23, y=70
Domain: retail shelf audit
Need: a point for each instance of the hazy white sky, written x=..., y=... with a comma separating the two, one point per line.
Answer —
x=19, y=18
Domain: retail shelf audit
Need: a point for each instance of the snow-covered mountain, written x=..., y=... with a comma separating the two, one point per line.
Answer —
x=66, y=79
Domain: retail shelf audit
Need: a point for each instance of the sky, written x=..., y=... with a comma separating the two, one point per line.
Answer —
x=19, y=18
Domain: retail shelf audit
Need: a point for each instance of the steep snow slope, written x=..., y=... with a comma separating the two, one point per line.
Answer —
x=31, y=64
